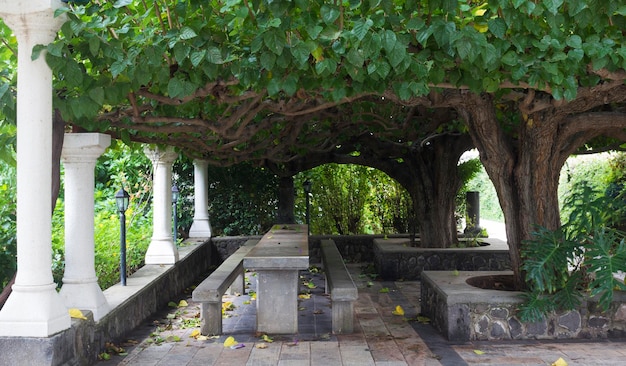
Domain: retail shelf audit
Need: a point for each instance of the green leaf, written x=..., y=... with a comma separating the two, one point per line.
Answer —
x=122, y=3
x=290, y=84
x=275, y=40
x=118, y=67
x=361, y=27
x=389, y=40
x=268, y=59
x=214, y=55
x=498, y=27
x=443, y=32
x=552, y=5
x=329, y=13
x=574, y=41
x=181, y=52
x=197, y=57
x=178, y=88
x=355, y=57
x=97, y=95
x=187, y=33
x=300, y=53
x=415, y=23
x=273, y=87
x=54, y=49
x=371, y=45
x=397, y=55
x=94, y=45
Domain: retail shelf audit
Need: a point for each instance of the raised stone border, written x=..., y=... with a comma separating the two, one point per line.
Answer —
x=396, y=259
x=148, y=290
x=465, y=313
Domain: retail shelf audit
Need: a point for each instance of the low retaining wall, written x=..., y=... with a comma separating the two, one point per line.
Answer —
x=148, y=290
x=395, y=259
x=465, y=313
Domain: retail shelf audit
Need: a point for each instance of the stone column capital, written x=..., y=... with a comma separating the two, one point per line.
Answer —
x=32, y=21
x=201, y=162
x=159, y=155
x=84, y=147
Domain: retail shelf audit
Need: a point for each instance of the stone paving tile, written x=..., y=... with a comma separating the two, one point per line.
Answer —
x=380, y=338
x=207, y=355
x=264, y=357
x=356, y=355
x=325, y=353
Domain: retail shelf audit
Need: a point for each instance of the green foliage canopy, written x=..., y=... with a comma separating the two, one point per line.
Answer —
x=228, y=76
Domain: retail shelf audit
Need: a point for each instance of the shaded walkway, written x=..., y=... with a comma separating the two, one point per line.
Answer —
x=380, y=338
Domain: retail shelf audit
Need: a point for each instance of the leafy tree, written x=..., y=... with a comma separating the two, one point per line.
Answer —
x=532, y=81
x=242, y=200
x=339, y=199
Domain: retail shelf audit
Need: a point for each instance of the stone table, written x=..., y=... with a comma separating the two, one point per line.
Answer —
x=277, y=259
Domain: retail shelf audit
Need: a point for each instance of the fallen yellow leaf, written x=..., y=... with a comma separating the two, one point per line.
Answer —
x=195, y=333
x=261, y=345
x=267, y=338
x=304, y=296
x=398, y=311
x=77, y=314
x=229, y=342
x=479, y=352
x=182, y=304
x=559, y=362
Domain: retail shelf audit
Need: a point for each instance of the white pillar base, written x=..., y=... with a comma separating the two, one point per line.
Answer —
x=85, y=296
x=200, y=228
x=34, y=311
x=162, y=251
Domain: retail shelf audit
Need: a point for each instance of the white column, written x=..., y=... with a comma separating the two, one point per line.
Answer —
x=80, y=285
x=162, y=249
x=201, y=226
x=34, y=309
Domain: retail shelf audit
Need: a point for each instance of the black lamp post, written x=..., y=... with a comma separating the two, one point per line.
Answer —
x=121, y=200
x=175, y=195
x=307, y=190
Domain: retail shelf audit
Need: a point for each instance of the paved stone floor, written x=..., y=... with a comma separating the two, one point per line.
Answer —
x=380, y=338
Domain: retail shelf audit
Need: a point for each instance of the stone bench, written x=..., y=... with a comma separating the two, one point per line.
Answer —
x=339, y=285
x=229, y=275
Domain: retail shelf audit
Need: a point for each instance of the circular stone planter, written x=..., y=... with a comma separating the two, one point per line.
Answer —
x=395, y=259
x=462, y=312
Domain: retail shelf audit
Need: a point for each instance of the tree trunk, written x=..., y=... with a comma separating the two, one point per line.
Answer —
x=525, y=172
x=58, y=135
x=434, y=187
x=286, y=201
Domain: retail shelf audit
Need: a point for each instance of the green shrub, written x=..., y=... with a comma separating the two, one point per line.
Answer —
x=8, y=242
x=580, y=258
x=107, y=244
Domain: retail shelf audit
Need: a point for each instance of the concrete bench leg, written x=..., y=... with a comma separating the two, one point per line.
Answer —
x=343, y=317
x=211, y=318
x=238, y=286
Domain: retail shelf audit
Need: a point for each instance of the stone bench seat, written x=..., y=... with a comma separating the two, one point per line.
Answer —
x=339, y=285
x=229, y=275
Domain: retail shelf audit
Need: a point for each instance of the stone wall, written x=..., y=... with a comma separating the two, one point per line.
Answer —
x=464, y=313
x=148, y=291
x=395, y=259
x=353, y=248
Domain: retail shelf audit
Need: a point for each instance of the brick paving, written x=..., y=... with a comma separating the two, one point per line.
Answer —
x=380, y=338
